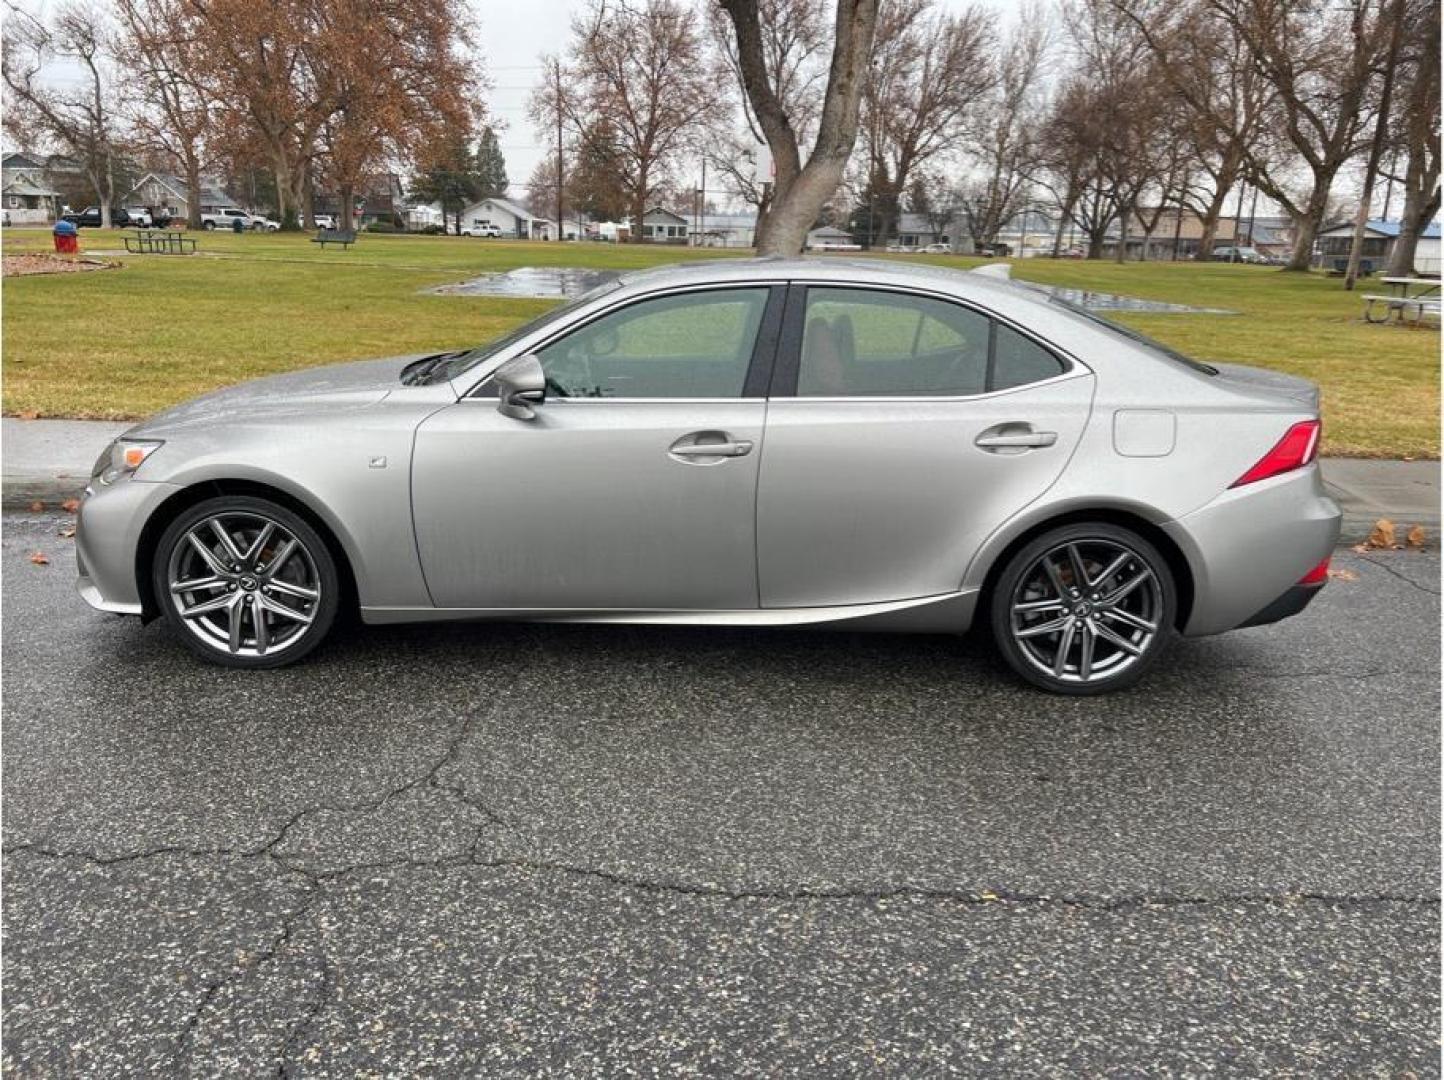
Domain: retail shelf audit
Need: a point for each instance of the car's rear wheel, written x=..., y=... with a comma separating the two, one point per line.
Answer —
x=1084, y=609
x=245, y=582
x=209, y=226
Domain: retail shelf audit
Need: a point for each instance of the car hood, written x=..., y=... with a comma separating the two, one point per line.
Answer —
x=336, y=386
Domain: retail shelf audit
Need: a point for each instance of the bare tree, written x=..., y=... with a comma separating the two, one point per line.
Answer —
x=793, y=39
x=1321, y=64
x=172, y=111
x=1220, y=94
x=1417, y=130
x=642, y=69
x=929, y=73
x=1006, y=143
x=800, y=190
x=81, y=119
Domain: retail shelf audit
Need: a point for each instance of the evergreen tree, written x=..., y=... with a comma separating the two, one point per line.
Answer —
x=452, y=179
x=490, y=166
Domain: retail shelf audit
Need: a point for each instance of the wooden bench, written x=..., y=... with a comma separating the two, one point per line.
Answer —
x=334, y=236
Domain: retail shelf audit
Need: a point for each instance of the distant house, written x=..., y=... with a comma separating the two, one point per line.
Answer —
x=661, y=226
x=27, y=193
x=514, y=221
x=169, y=193
x=1379, y=239
x=1176, y=235
x=727, y=230
x=831, y=238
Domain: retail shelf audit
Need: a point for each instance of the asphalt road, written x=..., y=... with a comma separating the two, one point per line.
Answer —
x=568, y=850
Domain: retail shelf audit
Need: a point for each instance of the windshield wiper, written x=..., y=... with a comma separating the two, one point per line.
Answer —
x=418, y=372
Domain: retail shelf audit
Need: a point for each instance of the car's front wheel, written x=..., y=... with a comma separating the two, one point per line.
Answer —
x=1084, y=609
x=245, y=582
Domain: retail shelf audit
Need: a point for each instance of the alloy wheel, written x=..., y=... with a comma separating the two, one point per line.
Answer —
x=1086, y=610
x=244, y=584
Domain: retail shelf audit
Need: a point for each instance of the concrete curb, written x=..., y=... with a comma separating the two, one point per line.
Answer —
x=49, y=461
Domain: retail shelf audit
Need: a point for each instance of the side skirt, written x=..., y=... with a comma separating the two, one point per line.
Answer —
x=949, y=613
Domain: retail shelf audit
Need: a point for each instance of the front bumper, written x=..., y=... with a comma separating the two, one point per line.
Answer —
x=1253, y=544
x=108, y=529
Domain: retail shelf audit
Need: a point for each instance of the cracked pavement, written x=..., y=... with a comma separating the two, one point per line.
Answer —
x=572, y=850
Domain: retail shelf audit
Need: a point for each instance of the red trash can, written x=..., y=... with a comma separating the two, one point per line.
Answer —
x=67, y=239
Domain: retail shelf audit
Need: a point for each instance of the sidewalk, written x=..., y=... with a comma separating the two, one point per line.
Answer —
x=50, y=460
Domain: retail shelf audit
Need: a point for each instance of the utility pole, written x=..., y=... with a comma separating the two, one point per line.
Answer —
x=1376, y=148
x=557, y=74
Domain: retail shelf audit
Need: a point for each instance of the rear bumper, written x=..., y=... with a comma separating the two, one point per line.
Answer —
x=1293, y=601
x=1249, y=547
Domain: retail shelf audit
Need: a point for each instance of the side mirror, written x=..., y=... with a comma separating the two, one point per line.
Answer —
x=520, y=383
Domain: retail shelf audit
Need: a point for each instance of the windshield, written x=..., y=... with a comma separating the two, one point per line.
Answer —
x=1135, y=337
x=455, y=365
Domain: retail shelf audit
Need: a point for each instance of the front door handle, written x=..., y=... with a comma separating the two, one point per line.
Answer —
x=1021, y=439
x=739, y=448
x=718, y=445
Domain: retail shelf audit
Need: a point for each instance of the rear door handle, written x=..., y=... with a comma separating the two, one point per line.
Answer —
x=740, y=448
x=1027, y=438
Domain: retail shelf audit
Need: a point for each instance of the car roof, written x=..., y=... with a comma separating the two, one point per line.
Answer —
x=862, y=271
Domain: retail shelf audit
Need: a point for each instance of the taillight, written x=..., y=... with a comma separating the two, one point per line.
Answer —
x=1295, y=450
x=1318, y=575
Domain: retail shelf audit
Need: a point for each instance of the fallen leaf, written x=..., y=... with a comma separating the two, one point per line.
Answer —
x=68, y=531
x=1416, y=537
x=39, y=558
x=1382, y=536
x=28, y=414
x=70, y=505
x=1340, y=573
x=37, y=507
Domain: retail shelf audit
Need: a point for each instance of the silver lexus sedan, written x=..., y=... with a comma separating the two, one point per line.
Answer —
x=860, y=444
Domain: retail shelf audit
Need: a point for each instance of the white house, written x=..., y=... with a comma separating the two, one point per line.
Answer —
x=29, y=197
x=163, y=191
x=664, y=227
x=514, y=221
x=727, y=230
x=1331, y=248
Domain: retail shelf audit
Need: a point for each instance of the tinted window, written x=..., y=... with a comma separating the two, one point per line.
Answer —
x=859, y=342
x=1018, y=360
x=680, y=346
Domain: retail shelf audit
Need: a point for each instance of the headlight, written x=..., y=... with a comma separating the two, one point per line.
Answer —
x=122, y=458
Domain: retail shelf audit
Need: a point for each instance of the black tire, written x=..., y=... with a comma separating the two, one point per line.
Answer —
x=1021, y=577
x=319, y=574
x=209, y=226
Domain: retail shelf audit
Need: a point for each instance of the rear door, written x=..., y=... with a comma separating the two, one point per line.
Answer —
x=635, y=485
x=903, y=428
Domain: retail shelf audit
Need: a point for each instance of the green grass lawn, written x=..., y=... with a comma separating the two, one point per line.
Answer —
x=125, y=342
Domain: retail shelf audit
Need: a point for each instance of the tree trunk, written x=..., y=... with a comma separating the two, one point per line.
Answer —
x=1308, y=225
x=639, y=206
x=1066, y=213
x=344, y=218
x=1209, y=232
x=1124, y=219
x=193, y=193
x=1418, y=212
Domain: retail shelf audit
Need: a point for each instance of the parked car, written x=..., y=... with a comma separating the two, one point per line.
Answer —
x=324, y=221
x=938, y=249
x=484, y=228
x=984, y=453
x=89, y=218
x=1230, y=253
x=225, y=218
x=139, y=217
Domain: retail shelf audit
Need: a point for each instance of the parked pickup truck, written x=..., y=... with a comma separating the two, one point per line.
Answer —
x=225, y=218
x=89, y=218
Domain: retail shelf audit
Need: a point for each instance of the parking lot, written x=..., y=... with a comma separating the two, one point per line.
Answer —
x=512, y=849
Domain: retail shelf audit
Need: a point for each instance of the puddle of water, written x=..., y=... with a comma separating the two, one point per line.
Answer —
x=563, y=282
x=545, y=282
x=1102, y=301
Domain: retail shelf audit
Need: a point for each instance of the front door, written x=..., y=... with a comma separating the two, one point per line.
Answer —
x=904, y=429
x=635, y=485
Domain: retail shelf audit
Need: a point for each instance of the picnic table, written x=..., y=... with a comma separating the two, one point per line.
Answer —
x=159, y=242
x=1406, y=294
